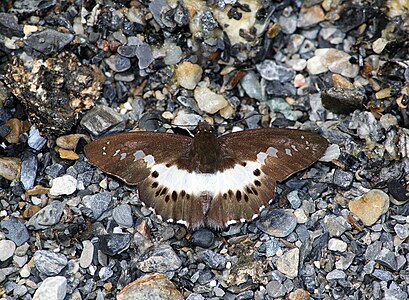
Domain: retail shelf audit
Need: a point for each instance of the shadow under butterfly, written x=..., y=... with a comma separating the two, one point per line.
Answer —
x=206, y=180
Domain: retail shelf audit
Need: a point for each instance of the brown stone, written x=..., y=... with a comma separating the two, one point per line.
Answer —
x=68, y=154
x=70, y=141
x=10, y=167
x=16, y=127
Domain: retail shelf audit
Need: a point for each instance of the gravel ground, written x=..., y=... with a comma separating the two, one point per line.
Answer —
x=71, y=71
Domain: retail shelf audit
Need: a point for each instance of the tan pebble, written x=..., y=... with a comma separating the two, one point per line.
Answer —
x=227, y=112
x=31, y=211
x=209, y=101
x=188, y=75
x=16, y=127
x=10, y=167
x=70, y=141
x=341, y=82
x=369, y=207
x=37, y=190
x=68, y=154
x=384, y=93
x=299, y=294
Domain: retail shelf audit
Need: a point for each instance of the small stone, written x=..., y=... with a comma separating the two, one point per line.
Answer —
x=101, y=119
x=272, y=247
x=151, y=286
x=188, y=75
x=373, y=250
x=35, y=140
x=7, y=249
x=209, y=101
x=68, y=154
x=402, y=231
x=64, y=185
x=49, y=41
x=382, y=275
x=70, y=141
x=48, y=216
x=269, y=70
x=173, y=53
x=345, y=261
x=387, y=258
x=369, y=207
x=213, y=259
x=28, y=170
x=336, y=275
x=87, y=254
x=15, y=230
x=340, y=82
x=49, y=263
x=52, y=288
x=122, y=214
x=145, y=56
x=275, y=289
x=218, y=292
x=161, y=259
x=16, y=129
x=118, y=63
x=114, y=243
x=10, y=167
x=379, y=44
x=9, y=25
x=336, y=225
x=342, y=101
x=300, y=215
x=194, y=296
x=288, y=263
x=251, y=85
x=337, y=245
x=310, y=16
x=278, y=223
x=203, y=238
x=294, y=199
x=299, y=294
x=98, y=203
x=343, y=179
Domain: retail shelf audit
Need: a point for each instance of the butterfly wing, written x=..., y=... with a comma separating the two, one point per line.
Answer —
x=261, y=158
x=137, y=157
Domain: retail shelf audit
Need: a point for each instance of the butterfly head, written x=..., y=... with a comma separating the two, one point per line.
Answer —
x=204, y=127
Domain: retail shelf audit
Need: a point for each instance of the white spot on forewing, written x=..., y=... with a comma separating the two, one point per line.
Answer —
x=183, y=222
x=261, y=208
x=123, y=156
x=150, y=160
x=261, y=157
x=294, y=148
x=104, y=153
x=116, y=153
x=108, y=142
x=139, y=155
x=236, y=178
x=272, y=151
x=231, y=222
x=243, y=220
x=288, y=152
x=254, y=216
x=104, y=148
x=169, y=220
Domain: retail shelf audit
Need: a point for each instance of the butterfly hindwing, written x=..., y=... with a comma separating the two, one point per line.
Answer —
x=274, y=155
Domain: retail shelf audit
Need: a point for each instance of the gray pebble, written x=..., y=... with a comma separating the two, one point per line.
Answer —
x=194, y=296
x=294, y=199
x=387, y=258
x=98, y=203
x=101, y=119
x=35, y=140
x=87, y=254
x=335, y=275
x=52, y=288
x=161, y=259
x=203, y=238
x=7, y=249
x=213, y=259
x=114, y=243
x=28, y=170
x=118, y=63
x=251, y=85
x=122, y=214
x=269, y=70
x=382, y=275
x=402, y=231
x=49, y=41
x=278, y=223
x=271, y=247
x=49, y=263
x=343, y=179
x=15, y=230
x=48, y=216
x=145, y=56
x=275, y=289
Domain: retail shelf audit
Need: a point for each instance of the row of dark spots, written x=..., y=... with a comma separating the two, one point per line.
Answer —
x=240, y=196
x=164, y=192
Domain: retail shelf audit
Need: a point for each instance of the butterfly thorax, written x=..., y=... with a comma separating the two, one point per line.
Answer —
x=205, y=153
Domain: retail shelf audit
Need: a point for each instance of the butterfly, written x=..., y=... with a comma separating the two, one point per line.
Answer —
x=206, y=180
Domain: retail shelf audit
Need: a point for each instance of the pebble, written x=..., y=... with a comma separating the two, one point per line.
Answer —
x=28, y=170
x=387, y=258
x=122, y=214
x=369, y=207
x=275, y=289
x=52, y=288
x=173, y=53
x=310, y=16
x=9, y=25
x=98, y=203
x=213, y=259
x=48, y=216
x=7, y=249
x=343, y=179
x=49, y=41
x=269, y=70
x=15, y=230
x=49, y=263
x=64, y=185
x=35, y=140
x=70, y=141
x=87, y=254
x=188, y=75
x=16, y=129
x=336, y=275
x=337, y=245
x=251, y=85
x=208, y=101
x=194, y=296
x=402, y=230
x=272, y=246
x=68, y=154
x=299, y=294
x=342, y=101
x=288, y=263
x=10, y=167
x=118, y=63
x=379, y=44
x=336, y=225
x=114, y=243
x=300, y=215
x=151, y=286
x=202, y=237
x=277, y=223
x=101, y=119
x=144, y=54
x=161, y=259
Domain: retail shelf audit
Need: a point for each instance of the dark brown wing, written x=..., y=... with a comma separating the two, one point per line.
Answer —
x=277, y=154
x=134, y=158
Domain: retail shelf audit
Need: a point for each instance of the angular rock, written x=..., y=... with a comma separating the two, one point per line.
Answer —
x=28, y=170
x=213, y=259
x=209, y=101
x=342, y=101
x=288, y=263
x=49, y=263
x=369, y=207
x=114, y=243
x=15, y=230
x=87, y=254
x=10, y=167
x=102, y=119
x=64, y=185
x=278, y=223
x=98, y=203
x=49, y=41
x=52, y=288
x=48, y=216
x=161, y=259
x=188, y=75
